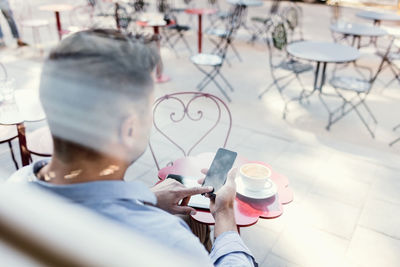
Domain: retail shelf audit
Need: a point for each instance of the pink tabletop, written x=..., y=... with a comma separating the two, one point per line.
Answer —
x=247, y=211
x=56, y=7
x=201, y=11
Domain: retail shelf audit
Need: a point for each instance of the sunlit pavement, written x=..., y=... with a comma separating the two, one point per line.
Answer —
x=346, y=184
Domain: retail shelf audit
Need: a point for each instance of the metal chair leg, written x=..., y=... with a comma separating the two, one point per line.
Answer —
x=394, y=142
x=364, y=122
x=236, y=52
x=210, y=77
x=369, y=111
x=226, y=81
x=13, y=155
x=186, y=43
x=206, y=79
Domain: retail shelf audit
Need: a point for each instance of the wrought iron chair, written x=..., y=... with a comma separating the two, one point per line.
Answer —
x=174, y=33
x=222, y=34
x=181, y=8
x=353, y=91
x=293, y=18
x=140, y=5
x=215, y=61
x=393, y=61
x=262, y=24
x=189, y=111
x=280, y=60
x=120, y=14
x=220, y=17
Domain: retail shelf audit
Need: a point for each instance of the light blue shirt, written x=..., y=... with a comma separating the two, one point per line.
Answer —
x=124, y=202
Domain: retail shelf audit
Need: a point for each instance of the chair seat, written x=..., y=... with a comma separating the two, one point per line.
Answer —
x=34, y=23
x=179, y=28
x=218, y=32
x=350, y=83
x=7, y=133
x=259, y=19
x=178, y=9
x=295, y=66
x=223, y=14
x=40, y=142
x=206, y=59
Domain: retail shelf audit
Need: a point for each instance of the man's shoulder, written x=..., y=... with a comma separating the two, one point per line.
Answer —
x=25, y=174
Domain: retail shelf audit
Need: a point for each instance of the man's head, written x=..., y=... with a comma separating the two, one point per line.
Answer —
x=97, y=91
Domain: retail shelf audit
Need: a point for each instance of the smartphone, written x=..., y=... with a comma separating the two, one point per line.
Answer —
x=218, y=172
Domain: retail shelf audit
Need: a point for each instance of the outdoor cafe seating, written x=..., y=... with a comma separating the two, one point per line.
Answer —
x=309, y=90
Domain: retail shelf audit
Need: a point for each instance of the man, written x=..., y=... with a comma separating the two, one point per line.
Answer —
x=7, y=13
x=97, y=91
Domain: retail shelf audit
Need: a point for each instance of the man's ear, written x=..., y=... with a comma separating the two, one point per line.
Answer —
x=127, y=131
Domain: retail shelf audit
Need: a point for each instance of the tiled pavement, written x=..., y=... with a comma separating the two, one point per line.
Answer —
x=346, y=185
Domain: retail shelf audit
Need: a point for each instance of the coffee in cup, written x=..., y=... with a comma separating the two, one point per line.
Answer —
x=255, y=176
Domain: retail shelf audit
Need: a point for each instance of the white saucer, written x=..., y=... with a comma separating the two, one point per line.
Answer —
x=268, y=191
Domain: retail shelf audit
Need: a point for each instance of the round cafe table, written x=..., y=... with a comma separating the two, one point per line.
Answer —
x=247, y=211
x=27, y=108
x=57, y=8
x=156, y=24
x=357, y=31
x=378, y=17
x=322, y=53
x=200, y=12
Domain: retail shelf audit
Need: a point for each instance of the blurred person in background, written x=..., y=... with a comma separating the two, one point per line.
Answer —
x=8, y=15
x=97, y=91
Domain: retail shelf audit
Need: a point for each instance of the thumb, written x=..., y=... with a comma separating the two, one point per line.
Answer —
x=204, y=171
x=231, y=176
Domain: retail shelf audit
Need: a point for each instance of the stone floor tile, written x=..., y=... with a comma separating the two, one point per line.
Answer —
x=381, y=216
x=259, y=240
x=307, y=246
x=274, y=261
x=341, y=188
x=386, y=186
x=330, y=215
x=370, y=249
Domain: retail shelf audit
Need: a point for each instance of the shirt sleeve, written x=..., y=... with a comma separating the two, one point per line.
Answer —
x=229, y=250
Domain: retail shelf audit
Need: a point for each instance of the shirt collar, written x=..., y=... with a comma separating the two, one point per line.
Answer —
x=102, y=190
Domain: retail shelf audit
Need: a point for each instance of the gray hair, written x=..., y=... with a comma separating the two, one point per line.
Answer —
x=92, y=80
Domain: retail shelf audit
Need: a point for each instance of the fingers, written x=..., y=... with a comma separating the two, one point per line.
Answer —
x=185, y=201
x=204, y=171
x=184, y=210
x=185, y=192
x=201, y=180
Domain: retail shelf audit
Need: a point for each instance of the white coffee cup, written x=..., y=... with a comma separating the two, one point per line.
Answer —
x=255, y=176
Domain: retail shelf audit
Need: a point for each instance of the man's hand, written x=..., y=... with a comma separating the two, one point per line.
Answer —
x=170, y=192
x=225, y=196
x=222, y=206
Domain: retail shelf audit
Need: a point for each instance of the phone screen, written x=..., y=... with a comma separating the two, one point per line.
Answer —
x=217, y=174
